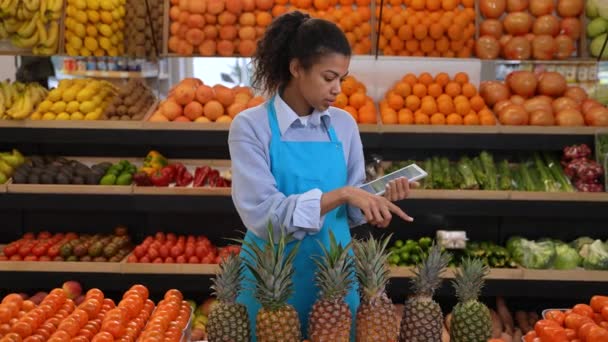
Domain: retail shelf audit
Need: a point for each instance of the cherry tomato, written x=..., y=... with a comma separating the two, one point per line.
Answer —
x=574, y=321
x=114, y=327
x=193, y=260
x=158, y=260
x=583, y=309
x=144, y=260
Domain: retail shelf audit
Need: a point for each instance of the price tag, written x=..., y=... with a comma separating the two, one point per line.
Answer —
x=455, y=239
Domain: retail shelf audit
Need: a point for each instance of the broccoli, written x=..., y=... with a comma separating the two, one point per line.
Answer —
x=535, y=255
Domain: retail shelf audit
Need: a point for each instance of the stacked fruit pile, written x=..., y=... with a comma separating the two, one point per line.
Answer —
x=542, y=100
x=45, y=246
x=9, y=163
x=432, y=28
x=120, y=173
x=201, y=317
x=131, y=102
x=191, y=100
x=58, y=170
x=139, y=41
x=31, y=24
x=95, y=27
x=597, y=28
x=355, y=101
x=77, y=99
x=18, y=100
x=529, y=30
x=170, y=248
x=441, y=100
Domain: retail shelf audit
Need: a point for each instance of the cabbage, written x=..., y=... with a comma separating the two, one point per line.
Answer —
x=595, y=256
x=535, y=255
x=566, y=257
x=580, y=242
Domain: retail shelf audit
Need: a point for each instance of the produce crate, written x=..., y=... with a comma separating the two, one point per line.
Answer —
x=77, y=189
x=59, y=266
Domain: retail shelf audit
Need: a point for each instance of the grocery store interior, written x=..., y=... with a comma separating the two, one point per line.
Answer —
x=115, y=173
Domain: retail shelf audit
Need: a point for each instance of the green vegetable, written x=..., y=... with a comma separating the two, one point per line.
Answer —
x=489, y=169
x=579, y=243
x=444, y=163
x=566, y=257
x=557, y=172
x=125, y=178
x=535, y=255
x=456, y=177
x=549, y=184
x=478, y=171
x=595, y=256
x=428, y=181
x=438, y=176
x=465, y=168
x=504, y=176
x=108, y=179
x=526, y=177
x=425, y=242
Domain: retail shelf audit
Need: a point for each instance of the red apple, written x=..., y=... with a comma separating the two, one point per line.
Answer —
x=72, y=289
x=38, y=297
x=78, y=300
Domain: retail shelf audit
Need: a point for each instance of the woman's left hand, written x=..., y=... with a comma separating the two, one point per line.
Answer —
x=398, y=189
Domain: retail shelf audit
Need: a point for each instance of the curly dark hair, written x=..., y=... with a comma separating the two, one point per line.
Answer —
x=294, y=35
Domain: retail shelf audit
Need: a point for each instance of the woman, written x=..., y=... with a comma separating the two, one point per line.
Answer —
x=296, y=161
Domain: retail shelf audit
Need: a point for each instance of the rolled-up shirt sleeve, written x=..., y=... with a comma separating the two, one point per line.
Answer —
x=356, y=175
x=255, y=193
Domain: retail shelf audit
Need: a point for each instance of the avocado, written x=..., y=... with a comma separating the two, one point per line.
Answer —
x=49, y=159
x=19, y=178
x=96, y=249
x=62, y=178
x=46, y=178
x=37, y=161
x=33, y=179
x=124, y=179
x=109, y=179
x=91, y=179
x=78, y=180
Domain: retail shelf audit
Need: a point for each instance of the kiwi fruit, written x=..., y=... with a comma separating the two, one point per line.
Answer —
x=115, y=118
x=122, y=110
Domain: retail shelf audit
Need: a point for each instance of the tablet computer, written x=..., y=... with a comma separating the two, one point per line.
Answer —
x=412, y=172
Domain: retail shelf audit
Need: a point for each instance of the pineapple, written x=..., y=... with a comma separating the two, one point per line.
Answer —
x=228, y=321
x=471, y=320
x=272, y=268
x=375, y=314
x=330, y=318
x=422, y=316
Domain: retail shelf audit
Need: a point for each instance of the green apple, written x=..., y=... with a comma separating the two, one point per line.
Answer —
x=591, y=9
x=596, y=27
x=596, y=46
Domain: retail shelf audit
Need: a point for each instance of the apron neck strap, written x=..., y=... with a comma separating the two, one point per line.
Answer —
x=274, y=123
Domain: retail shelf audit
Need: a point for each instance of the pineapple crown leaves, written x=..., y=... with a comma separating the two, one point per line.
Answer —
x=371, y=266
x=227, y=283
x=427, y=273
x=334, y=269
x=469, y=279
x=272, y=268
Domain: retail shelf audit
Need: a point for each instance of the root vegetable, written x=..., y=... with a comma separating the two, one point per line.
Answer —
x=504, y=313
x=517, y=335
x=506, y=337
x=522, y=321
x=496, y=324
x=533, y=318
x=445, y=335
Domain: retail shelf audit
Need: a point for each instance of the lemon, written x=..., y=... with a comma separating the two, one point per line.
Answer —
x=114, y=27
x=75, y=42
x=115, y=3
x=106, y=17
x=45, y=106
x=106, y=5
x=93, y=16
x=91, y=31
x=92, y=116
x=85, y=94
x=87, y=107
x=58, y=107
x=116, y=14
x=105, y=43
x=80, y=4
x=81, y=16
x=93, y=4
x=105, y=30
x=99, y=52
x=90, y=43
x=113, y=52
x=121, y=24
x=66, y=83
x=70, y=22
x=71, y=51
x=70, y=10
x=122, y=11
x=63, y=116
x=120, y=36
x=84, y=52
x=80, y=30
x=48, y=116
x=35, y=116
x=72, y=107
x=77, y=116
x=114, y=40
x=54, y=95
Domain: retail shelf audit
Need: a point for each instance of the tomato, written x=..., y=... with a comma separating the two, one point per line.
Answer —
x=574, y=321
x=144, y=260
x=79, y=339
x=15, y=257
x=114, y=327
x=108, y=302
x=176, y=251
x=22, y=329
x=164, y=251
x=598, y=302
x=605, y=313
x=60, y=335
x=81, y=316
x=10, y=250
x=583, y=309
x=88, y=333
x=132, y=259
x=171, y=237
x=133, y=305
x=44, y=235
x=541, y=324
x=25, y=250
x=169, y=260
x=597, y=334
x=585, y=329
x=12, y=337
x=597, y=318
x=70, y=325
x=45, y=258
x=181, y=260
x=91, y=307
x=139, y=251
x=30, y=258
x=54, y=321
x=71, y=236
x=28, y=236
x=193, y=260
x=208, y=259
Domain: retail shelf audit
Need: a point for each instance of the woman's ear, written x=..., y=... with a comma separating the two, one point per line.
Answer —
x=294, y=68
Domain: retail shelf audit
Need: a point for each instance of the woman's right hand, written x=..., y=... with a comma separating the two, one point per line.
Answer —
x=377, y=209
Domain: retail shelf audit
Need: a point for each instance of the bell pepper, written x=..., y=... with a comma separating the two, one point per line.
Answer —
x=161, y=177
x=213, y=178
x=142, y=179
x=147, y=170
x=155, y=160
x=182, y=176
x=200, y=176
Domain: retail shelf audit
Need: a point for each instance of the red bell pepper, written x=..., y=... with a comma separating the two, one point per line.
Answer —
x=162, y=177
x=200, y=176
x=182, y=176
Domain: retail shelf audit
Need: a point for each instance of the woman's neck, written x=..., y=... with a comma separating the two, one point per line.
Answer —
x=295, y=100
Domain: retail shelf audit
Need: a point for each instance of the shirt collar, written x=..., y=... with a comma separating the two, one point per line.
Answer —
x=286, y=117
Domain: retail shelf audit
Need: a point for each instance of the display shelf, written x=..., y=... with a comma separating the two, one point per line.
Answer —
x=70, y=189
x=113, y=74
x=60, y=266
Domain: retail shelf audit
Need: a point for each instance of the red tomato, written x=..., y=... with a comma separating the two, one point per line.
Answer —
x=44, y=235
x=132, y=258
x=103, y=336
x=605, y=313
x=574, y=321
x=176, y=251
x=583, y=309
x=164, y=251
x=169, y=260
x=10, y=250
x=114, y=327
x=208, y=259
x=22, y=329
x=25, y=250
x=39, y=250
x=201, y=251
x=96, y=294
x=598, y=302
x=171, y=237
x=15, y=257
x=53, y=251
x=189, y=251
x=30, y=258
x=153, y=253
x=3, y=258
x=193, y=260
x=585, y=329
x=160, y=236
x=144, y=260
x=181, y=259
x=28, y=236
x=158, y=260
x=570, y=334
x=597, y=318
x=45, y=258
x=139, y=251
x=541, y=324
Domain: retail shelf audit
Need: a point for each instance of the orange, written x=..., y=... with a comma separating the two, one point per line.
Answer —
x=425, y=78
x=469, y=90
x=471, y=119
x=448, y=54
x=357, y=100
x=382, y=42
x=361, y=88
x=438, y=119
x=477, y=103
x=446, y=107
x=419, y=90
x=353, y=112
x=460, y=98
x=278, y=10
x=403, y=89
x=454, y=119
x=444, y=97
x=453, y=89
x=213, y=110
x=420, y=32
x=433, y=5
x=455, y=32
x=442, y=79
x=349, y=85
x=397, y=21
x=462, y=107
x=412, y=102
x=468, y=3
x=421, y=119
x=449, y=5
x=394, y=100
x=485, y=111
x=487, y=119
x=263, y=19
x=412, y=46
x=368, y=116
x=405, y=32
x=365, y=13
x=410, y=79
x=427, y=45
x=429, y=107
x=396, y=44
x=247, y=19
x=405, y=117
x=461, y=78
x=389, y=116
x=417, y=5
x=436, y=31
x=442, y=45
x=341, y=101
x=388, y=32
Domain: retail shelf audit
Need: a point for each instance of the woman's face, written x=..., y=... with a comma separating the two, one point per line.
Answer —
x=320, y=84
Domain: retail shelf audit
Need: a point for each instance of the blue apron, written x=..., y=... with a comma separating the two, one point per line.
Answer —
x=297, y=168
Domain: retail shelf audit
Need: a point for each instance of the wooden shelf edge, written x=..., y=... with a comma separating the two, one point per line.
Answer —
x=460, y=194
x=70, y=189
x=559, y=196
x=138, y=268
x=84, y=124
x=578, y=275
x=60, y=266
x=185, y=126
x=181, y=191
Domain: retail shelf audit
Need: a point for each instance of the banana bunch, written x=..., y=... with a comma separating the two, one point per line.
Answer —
x=18, y=100
x=31, y=24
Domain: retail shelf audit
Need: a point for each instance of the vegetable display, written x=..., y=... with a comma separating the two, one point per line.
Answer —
x=586, y=173
x=554, y=254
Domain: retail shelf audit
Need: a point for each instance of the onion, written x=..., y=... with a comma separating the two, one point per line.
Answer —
x=487, y=47
x=522, y=83
x=547, y=24
x=500, y=105
x=597, y=116
x=518, y=48
x=538, y=104
x=569, y=117
x=540, y=7
x=578, y=94
x=542, y=118
x=565, y=46
x=492, y=9
x=513, y=115
x=571, y=27
x=491, y=27
x=569, y=8
x=589, y=104
x=563, y=103
x=517, y=5
x=517, y=23
x=493, y=92
x=551, y=83
x=517, y=99
x=543, y=47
